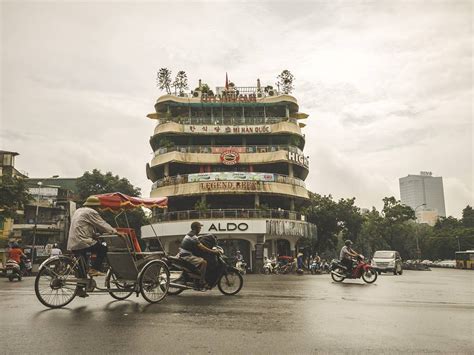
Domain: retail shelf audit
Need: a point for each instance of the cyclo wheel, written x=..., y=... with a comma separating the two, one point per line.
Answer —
x=175, y=277
x=154, y=281
x=231, y=283
x=53, y=285
x=111, y=282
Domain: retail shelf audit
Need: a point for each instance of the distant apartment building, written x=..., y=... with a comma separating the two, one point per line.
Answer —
x=424, y=193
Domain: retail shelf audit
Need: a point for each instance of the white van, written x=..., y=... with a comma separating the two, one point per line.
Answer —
x=387, y=261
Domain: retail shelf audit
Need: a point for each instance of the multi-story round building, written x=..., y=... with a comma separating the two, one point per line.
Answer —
x=233, y=161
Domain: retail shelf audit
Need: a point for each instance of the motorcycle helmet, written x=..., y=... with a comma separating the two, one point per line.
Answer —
x=348, y=242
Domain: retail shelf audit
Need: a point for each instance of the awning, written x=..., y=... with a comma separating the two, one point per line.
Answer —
x=118, y=201
x=299, y=115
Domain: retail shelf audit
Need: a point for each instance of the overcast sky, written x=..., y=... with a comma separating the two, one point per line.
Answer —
x=387, y=84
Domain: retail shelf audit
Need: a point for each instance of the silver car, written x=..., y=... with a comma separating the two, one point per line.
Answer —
x=387, y=261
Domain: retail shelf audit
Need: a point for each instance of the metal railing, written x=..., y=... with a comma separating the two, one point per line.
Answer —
x=185, y=179
x=213, y=149
x=227, y=121
x=227, y=213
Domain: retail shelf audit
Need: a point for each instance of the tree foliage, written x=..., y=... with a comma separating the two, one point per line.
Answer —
x=392, y=228
x=285, y=81
x=468, y=217
x=163, y=80
x=180, y=83
x=333, y=219
x=14, y=195
x=94, y=183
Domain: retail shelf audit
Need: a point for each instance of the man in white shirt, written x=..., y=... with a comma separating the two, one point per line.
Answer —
x=55, y=251
x=346, y=255
x=85, y=224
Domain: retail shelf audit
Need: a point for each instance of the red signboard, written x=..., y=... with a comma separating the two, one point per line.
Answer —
x=230, y=157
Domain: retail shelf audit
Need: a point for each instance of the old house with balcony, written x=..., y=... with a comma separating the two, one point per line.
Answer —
x=233, y=161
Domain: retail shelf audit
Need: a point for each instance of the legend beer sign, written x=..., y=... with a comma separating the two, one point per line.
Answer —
x=299, y=159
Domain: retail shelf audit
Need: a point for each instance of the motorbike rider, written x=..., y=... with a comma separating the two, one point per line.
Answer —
x=190, y=246
x=55, y=251
x=17, y=254
x=346, y=255
x=238, y=257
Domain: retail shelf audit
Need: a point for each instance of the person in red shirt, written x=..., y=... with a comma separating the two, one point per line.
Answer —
x=16, y=254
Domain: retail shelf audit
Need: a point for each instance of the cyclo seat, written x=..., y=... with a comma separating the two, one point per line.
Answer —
x=185, y=264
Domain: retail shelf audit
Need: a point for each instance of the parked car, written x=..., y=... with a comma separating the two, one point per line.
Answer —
x=387, y=261
x=447, y=263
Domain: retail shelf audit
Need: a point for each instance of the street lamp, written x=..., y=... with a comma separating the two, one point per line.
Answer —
x=40, y=183
x=459, y=244
x=36, y=224
x=418, y=251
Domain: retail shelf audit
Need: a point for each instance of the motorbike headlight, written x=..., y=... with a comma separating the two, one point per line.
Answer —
x=391, y=263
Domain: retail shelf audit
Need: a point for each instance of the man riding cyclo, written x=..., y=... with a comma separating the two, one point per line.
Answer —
x=346, y=255
x=189, y=249
x=85, y=224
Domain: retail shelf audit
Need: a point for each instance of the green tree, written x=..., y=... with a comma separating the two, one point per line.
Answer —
x=395, y=215
x=350, y=218
x=13, y=195
x=468, y=217
x=371, y=237
x=285, y=81
x=96, y=183
x=323, y=212
x=451, y=234
x=163, y=80
x=180, y=82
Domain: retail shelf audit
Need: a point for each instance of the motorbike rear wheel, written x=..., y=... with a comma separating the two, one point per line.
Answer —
x=336, y=277
x=175, y=277
x=369, y=276
x=231, y=283
x=52, y=287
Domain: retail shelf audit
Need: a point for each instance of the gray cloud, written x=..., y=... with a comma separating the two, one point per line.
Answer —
x=388, y=85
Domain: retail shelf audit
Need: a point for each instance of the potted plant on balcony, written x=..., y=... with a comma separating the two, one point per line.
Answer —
x=203, y=208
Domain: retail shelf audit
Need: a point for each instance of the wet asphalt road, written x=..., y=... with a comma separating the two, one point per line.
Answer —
x=418, y=312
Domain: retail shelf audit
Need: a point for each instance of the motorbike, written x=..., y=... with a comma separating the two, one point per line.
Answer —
x=185, y=276
x=362, y=269
x=13, y=270
x=241, y=266
x=314, y=268
x=268, y=268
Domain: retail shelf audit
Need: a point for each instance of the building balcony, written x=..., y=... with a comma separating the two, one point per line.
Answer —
x=226, y=121
x=218, y=128
x=212, y=149
x=230, y=182
x=212, y=155
x=231, y=176
x=198, y=100
x=227, y=214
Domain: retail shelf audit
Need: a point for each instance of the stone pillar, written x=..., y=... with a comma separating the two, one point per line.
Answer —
x=292, y=204
x=290, y=170
x=287, y=111
x=166, y=169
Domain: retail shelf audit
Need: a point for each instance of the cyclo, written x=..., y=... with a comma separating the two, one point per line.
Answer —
x=130, y=270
